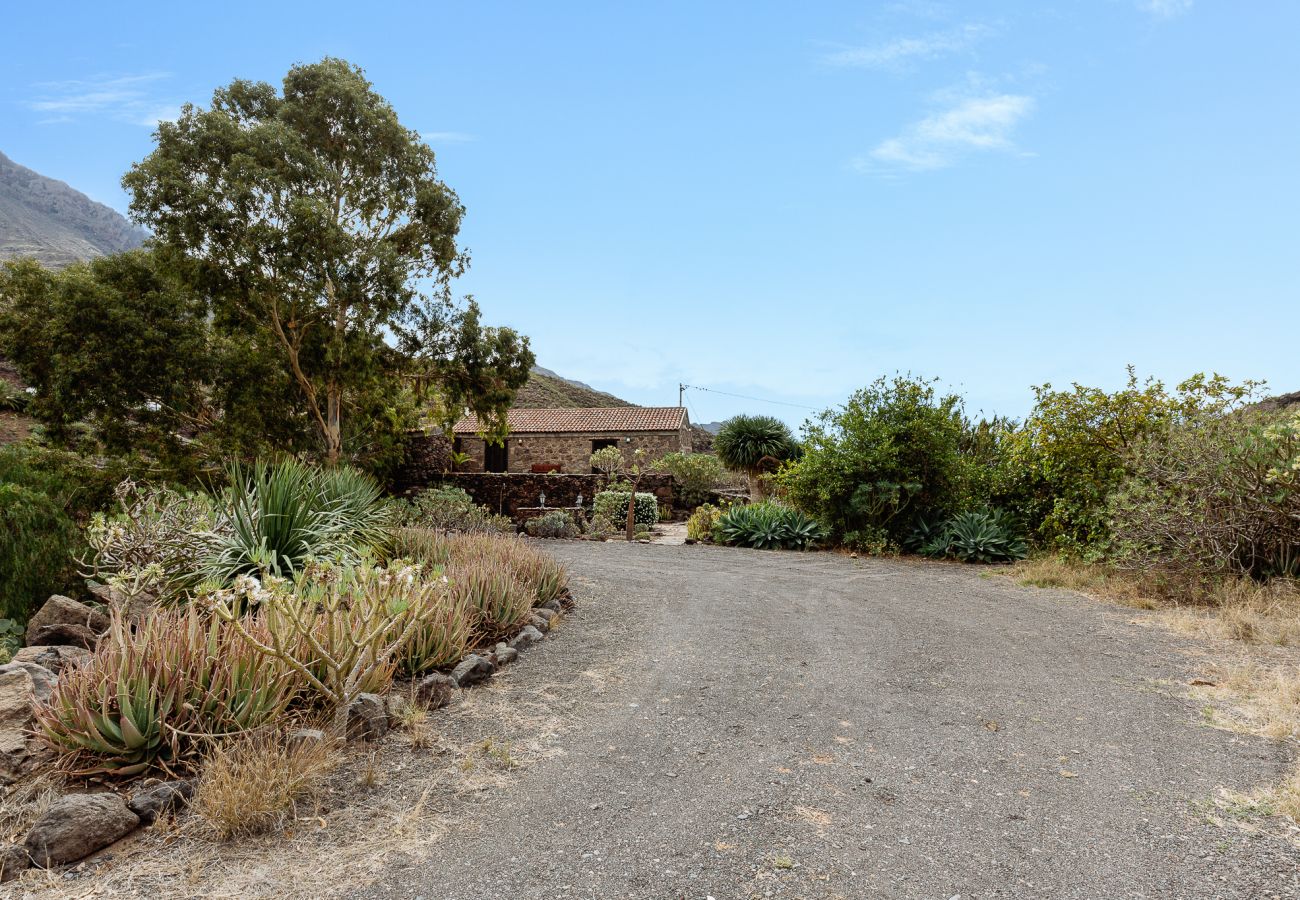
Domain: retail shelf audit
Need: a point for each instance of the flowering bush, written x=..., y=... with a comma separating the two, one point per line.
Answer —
x=158, y=544
x=613, y=506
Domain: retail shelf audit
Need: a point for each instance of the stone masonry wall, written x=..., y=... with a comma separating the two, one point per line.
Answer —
x=505, y=493
x=572, y=452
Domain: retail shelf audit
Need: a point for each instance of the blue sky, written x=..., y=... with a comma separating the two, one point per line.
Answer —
x=786, y=200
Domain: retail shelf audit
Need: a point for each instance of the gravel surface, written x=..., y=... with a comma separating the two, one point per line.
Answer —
x=758, y=724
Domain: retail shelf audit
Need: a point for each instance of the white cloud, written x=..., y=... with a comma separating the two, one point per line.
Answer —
x=901, y=51
x=968, y=125
x=128, y=98
x=1165, y=9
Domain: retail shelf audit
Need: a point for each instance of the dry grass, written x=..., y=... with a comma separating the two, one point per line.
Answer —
x=1235, y=609
x=257, y=783
x=1252, y=682
x=345, y=835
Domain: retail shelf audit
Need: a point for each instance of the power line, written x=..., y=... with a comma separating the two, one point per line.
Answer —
x=744, y=397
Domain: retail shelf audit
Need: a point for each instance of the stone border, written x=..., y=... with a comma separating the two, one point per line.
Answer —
x=78, y=825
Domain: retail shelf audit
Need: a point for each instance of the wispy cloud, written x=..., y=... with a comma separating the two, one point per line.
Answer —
x=1165, y=9
x=902, y=51
x=447, y=137
x=128, y=98
x=970, y=125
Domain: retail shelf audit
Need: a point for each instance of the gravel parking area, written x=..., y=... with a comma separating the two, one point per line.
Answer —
x=760, y=724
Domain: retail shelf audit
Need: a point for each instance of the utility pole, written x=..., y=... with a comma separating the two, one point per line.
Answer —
x=681, y=392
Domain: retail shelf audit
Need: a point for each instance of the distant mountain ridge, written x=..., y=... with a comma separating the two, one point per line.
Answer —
x=54, y=223
x=546, y=389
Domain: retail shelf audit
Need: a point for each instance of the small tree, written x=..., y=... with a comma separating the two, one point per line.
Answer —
x=614, y=465
x=753, y=445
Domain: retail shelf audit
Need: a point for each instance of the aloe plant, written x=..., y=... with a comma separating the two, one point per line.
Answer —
x=151, y=695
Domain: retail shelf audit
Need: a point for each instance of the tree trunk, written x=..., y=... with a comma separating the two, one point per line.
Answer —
x=755, y=487
x=631, y=510
x=333, y=424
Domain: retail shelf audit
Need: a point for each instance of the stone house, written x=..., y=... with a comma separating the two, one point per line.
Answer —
x=562, y=440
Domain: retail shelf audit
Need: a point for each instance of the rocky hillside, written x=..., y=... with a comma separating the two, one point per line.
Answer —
x=54, y=223
x=549, y=390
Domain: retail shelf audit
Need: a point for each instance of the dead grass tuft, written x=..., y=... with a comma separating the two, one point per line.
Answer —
x=256, y=783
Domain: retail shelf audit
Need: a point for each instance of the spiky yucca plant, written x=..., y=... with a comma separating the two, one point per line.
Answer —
x=285, y=513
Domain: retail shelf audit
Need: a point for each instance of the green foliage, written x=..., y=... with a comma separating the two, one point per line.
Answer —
x=44, y=496
x=610, y=461
x=1213, y=495
x=767, y=526
x=985, y=536
x=1076, y=445
x=555, y=524
x=325, y=267
x=439, y=640
x=151, y=694
x=612, y=505
x=114, y=343
x=449, y=508
x=753, y=444
x=286, y=513
x=889, y=457
x=696, y=475
x=12, y=399
x=157, y=545
x=699, y=527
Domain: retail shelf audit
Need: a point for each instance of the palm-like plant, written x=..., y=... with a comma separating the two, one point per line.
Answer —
x=285, y=513
x=753, y=444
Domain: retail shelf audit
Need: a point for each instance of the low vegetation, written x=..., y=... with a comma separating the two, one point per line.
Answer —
x=766, y=525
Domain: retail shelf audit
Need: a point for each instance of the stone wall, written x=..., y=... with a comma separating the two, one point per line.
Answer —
x=572, y=452
x=505, y=493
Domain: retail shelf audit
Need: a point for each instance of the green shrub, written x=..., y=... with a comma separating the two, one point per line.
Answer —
x=449, y=508
x=555, y=524
x=767, y=526
x=699, y=527
x=1077, y=444
x=44, y=496
x=973, y=537
x=1216, y=495
x=695, y=474
x=888, y=458
x=285, y=513
x=612, y=505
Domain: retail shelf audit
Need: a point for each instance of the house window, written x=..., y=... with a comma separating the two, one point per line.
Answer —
x=496, y=457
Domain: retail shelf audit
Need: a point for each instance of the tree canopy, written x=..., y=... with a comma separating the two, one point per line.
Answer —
x=312, y=216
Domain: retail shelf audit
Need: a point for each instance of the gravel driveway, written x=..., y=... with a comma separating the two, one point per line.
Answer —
x=766, y=724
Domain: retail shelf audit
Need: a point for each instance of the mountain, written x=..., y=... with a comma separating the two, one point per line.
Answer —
x=548, y=390
x=48, y=220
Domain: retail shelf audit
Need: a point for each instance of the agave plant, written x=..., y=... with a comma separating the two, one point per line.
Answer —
x=983, y=537
x=767, y=526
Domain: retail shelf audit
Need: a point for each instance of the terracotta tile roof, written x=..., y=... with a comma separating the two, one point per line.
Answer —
x=613, y=418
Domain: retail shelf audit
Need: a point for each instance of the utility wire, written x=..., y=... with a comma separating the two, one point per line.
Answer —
x=756, y=399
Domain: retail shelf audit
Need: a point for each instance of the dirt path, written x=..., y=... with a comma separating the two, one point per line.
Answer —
x=743, y=723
